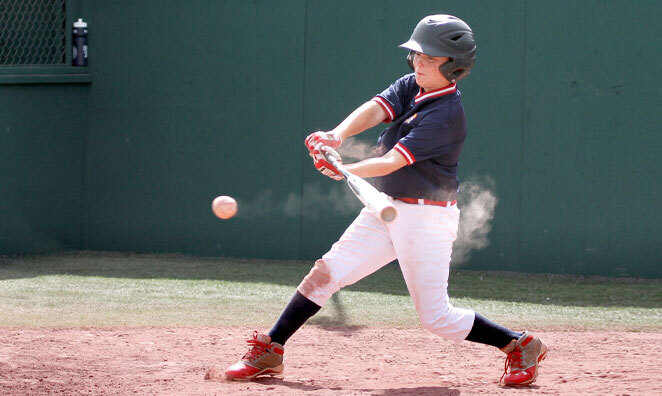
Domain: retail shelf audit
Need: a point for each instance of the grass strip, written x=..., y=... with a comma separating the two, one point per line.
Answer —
x=87, y=289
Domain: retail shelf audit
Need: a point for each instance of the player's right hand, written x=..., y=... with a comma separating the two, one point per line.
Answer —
x=324, y=166
x=328, y=139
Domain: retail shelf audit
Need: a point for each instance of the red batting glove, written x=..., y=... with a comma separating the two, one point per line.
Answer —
x=325, y=138
x=324, y=166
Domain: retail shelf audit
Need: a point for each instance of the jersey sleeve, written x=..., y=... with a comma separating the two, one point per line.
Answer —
x=427, y=140
x=394, y=98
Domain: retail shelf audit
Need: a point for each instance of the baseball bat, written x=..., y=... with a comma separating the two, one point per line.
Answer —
x=376, y=201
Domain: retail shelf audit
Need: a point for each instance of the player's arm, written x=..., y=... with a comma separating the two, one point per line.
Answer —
x=364, y=117
x=378, y=166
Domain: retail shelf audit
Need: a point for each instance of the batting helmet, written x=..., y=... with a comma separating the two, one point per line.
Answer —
x=444, y=35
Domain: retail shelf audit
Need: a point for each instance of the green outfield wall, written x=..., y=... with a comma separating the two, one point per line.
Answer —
x=184, y=101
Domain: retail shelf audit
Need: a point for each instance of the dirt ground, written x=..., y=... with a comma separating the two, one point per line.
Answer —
x=376, y=362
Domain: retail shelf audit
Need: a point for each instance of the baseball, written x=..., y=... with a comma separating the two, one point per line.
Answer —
x=224, y=207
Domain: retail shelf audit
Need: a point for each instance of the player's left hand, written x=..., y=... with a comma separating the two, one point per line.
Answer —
x=328, y=139
x=324, y=166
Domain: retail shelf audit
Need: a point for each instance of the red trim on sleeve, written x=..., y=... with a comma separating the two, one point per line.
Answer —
x=404, y=151
x=387, y=108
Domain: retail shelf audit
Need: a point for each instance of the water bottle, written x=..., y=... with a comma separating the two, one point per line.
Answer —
x=80, y=43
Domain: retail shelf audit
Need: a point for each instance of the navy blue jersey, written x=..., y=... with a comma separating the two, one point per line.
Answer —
x=428, y=129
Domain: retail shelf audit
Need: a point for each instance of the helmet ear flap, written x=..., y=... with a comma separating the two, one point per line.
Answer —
x=454, y=70
x=410, y=59
x=449, y=70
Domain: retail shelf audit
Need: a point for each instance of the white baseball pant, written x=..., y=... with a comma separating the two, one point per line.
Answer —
x=421, y=238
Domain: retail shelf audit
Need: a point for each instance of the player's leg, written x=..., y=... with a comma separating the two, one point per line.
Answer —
x=361, y=250
x=423, y=246
x=425, y=264
x=364, y=248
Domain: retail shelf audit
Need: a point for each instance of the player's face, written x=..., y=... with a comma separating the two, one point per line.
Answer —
x=427, y=71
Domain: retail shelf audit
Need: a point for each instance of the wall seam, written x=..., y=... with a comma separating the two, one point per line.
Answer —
x=522, y=132
x=87, y=11
x=302, y=124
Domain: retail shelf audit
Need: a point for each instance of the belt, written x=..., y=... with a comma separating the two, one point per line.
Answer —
x=420, y=201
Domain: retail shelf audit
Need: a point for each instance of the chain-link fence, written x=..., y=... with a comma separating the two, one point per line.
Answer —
x=33, y=32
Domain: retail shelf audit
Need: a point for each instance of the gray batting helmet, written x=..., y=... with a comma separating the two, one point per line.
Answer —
x=444, y=35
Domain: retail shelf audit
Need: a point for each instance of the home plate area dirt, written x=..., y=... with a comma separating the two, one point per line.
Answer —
x=318, y=361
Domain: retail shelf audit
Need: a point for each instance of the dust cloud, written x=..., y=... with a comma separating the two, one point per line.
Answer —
x=355, y=150
x=477, y=202
x=339, y=200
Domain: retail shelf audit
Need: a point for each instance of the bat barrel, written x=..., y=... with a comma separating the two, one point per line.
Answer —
x=377, y=202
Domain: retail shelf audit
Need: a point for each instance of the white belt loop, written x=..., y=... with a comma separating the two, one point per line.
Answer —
x=421, y=201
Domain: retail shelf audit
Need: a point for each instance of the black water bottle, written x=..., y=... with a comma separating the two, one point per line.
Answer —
x=80, y=43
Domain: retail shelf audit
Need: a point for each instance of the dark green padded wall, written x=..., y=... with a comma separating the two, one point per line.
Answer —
x=592, y=136
x=42, y=145
x=190, y=100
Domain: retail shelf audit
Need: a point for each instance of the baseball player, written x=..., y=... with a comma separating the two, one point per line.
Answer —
x=416, y=165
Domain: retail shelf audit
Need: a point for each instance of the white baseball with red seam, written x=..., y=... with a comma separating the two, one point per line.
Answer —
x=224, y=207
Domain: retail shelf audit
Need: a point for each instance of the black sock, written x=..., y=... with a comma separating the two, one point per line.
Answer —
x=295, y=314
x=490, y=333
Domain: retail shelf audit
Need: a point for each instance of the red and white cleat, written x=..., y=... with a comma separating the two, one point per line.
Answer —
x=524, y=356
x=263, y=358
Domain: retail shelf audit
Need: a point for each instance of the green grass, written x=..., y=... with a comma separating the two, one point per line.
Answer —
x=105, y=290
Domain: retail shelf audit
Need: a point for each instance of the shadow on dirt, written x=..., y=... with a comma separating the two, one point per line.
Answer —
x=418, y=391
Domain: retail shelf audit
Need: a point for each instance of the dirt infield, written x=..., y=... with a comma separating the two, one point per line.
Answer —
x=376, y=362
